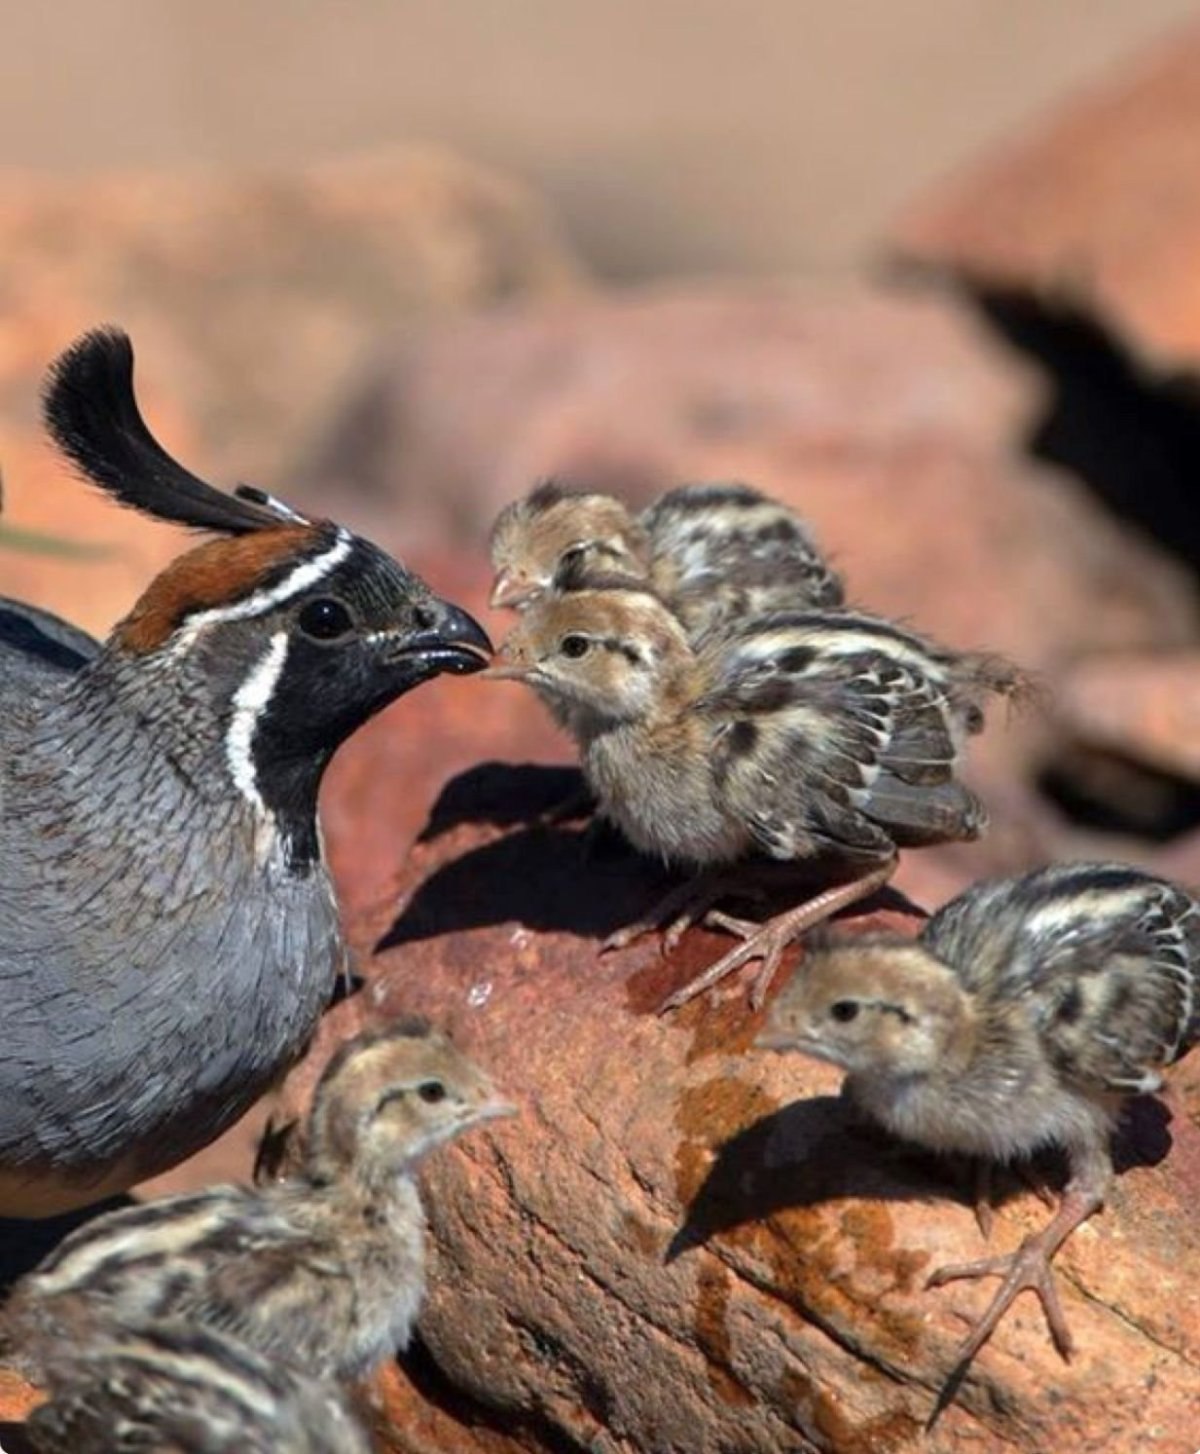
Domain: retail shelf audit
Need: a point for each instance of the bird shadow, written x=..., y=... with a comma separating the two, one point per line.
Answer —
x=547, y=875
x=811, y=1151
x=822, y=1149
x=23, y=1244
x=506, y=795
x=547, y=878
x=14, y=1440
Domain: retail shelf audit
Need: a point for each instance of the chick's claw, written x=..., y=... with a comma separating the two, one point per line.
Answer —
x=1027, y=1269
x=679, y=910
x=768, y=941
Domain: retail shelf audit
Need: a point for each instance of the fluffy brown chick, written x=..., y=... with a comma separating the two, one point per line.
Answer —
x=324, y=1271
x=813, y=735
x=717, y=553
x=171, y=1389
x=1023, y=1016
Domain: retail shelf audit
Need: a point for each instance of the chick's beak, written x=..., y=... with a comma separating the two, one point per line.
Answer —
x=495, y=1108
x=509, y=664
x=771, y=1037
x=447, y=639
x=511, y=590
x=505, y=671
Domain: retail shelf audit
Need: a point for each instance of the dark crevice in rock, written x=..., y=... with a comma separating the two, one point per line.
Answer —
x=1129, y=432
x=1109, y=793
x=536, y=1433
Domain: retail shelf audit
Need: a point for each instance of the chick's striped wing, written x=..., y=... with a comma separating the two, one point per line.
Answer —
x=1106, y=957
x=830, y=738
x=226, y=1258
x=179, y=1389
x=281, y=1289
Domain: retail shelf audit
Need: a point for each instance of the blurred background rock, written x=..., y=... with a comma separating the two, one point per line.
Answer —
x=668, y=135
x=927, y=271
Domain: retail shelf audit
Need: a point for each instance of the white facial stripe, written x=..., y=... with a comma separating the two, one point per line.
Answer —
x=249, y=702
x=306, y=574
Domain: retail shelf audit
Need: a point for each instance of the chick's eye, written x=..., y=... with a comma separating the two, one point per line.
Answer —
x=572, y=554
x=325, y=619
x=575, y=646
x=843, y=1011
x=432, y=1091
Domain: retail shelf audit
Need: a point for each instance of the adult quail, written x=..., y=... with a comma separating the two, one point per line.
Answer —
x=324, y=1270
x=1025, y=1013
x=168, y=931
x=716, y=552
x=825, y=735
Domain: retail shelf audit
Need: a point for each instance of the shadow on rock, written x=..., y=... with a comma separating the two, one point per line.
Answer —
x=508, y=795
x=1143, y=1138
x=811, y=1151
x=23, y=1244
x=13, y=1440
x=551, y=880
x=821, y=1149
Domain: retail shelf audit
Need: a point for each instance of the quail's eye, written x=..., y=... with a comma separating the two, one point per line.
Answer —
x=325, y=619
x=432, y=1091
x=843, y=1011
x=573, y=553
x=575, y=646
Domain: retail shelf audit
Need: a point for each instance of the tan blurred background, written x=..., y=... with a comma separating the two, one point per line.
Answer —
x=670, y=135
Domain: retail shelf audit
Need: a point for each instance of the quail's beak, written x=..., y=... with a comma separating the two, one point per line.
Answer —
x=512, y=590
x=449, y=640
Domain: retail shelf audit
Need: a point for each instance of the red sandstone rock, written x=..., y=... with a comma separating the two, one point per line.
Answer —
x=1098, y=204
x=686, y=1244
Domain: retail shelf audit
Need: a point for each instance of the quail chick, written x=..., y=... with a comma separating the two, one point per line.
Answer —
x=171, y=1389
x=324, y=1271
x=1024, y=1015
x=168, y=931
x=821, y=734
x=716, y=553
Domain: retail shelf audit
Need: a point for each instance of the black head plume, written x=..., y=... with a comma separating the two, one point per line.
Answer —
x=92, y=415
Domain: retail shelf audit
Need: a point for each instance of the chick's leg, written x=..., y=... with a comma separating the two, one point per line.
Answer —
x=768, y=941
x=680, y=908
x=1029, y=1266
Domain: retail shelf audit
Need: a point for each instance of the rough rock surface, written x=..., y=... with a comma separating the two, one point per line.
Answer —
x=686, y=1244
x=1098, y=204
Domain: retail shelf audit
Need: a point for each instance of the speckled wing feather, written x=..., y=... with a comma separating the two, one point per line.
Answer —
x=185, y=1390
x=215, y=1258
x=1108, y=956
x=830, y=738
x=724, y=552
